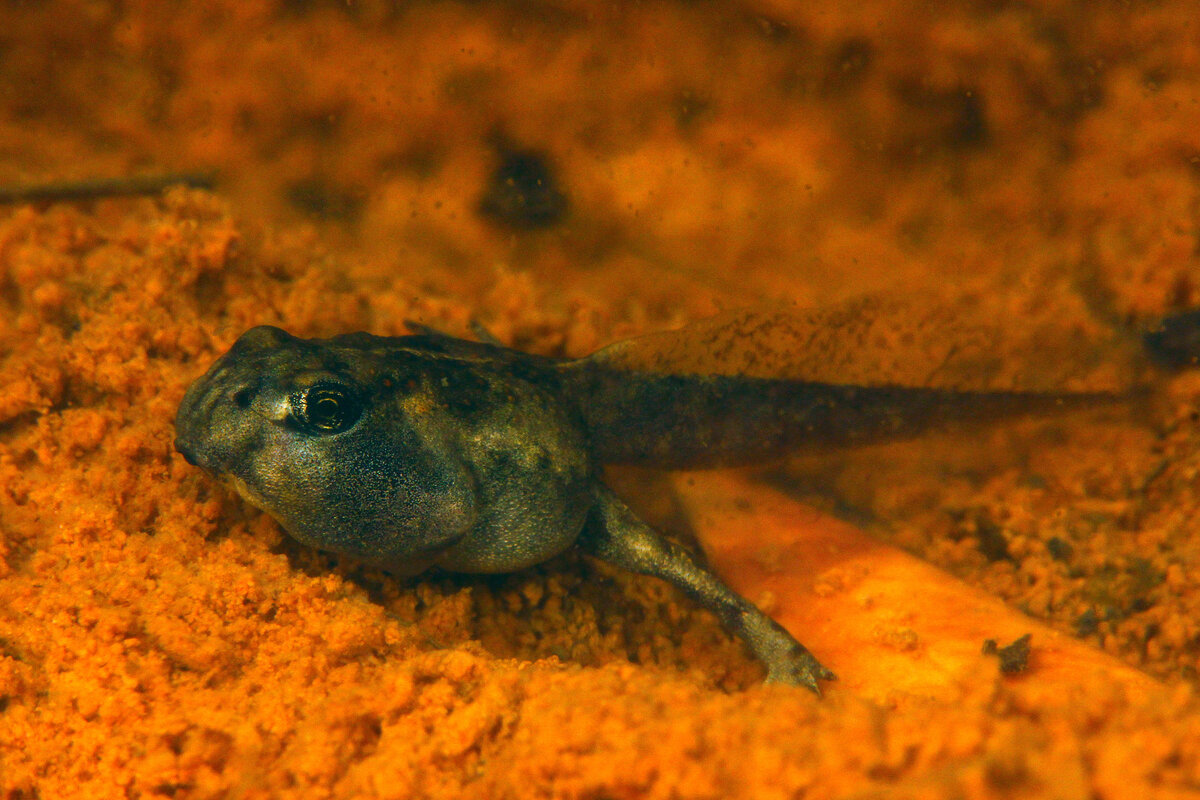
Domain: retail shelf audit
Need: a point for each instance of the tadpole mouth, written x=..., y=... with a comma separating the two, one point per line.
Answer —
x=183, y=451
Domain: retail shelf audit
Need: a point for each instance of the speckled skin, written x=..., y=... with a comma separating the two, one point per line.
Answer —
x=455, y=461
x=426, y=450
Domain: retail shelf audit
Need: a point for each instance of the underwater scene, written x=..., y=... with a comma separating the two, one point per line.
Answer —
x=680, y=400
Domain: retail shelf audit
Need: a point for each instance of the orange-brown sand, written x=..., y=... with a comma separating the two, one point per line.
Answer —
x=1035, y=163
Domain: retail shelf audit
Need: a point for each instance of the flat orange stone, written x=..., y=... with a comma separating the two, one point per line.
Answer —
x=892, y=627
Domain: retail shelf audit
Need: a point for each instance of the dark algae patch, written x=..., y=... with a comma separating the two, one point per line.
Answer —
x=523, y=192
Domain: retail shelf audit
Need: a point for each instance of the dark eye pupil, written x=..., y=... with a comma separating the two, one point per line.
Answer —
x=325, y=409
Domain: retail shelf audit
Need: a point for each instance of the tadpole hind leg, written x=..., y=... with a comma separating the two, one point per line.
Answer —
x=616, y=535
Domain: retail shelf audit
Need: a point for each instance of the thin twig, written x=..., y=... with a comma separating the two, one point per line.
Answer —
x=92, y=188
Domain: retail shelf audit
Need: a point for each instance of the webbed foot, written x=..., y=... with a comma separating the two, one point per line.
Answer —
x=799, y=668
x=787, y=661
x=619, y=537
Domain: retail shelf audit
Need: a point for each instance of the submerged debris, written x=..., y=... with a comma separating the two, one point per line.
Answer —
x=94, y=188
x=1014, y=658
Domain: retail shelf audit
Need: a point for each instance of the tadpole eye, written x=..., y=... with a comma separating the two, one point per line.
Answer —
x=326, y=408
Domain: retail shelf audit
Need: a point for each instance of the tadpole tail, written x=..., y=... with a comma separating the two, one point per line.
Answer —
x=691, y=421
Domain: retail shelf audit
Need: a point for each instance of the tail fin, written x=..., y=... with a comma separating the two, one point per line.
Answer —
x=689, y=421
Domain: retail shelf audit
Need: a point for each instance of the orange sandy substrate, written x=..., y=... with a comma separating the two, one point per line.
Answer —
x=161, y=638
x=1031, y=164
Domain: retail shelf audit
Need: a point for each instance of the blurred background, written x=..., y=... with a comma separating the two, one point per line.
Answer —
x=649, y=162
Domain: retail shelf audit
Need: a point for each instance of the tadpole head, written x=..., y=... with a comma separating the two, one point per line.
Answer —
x=315, y=433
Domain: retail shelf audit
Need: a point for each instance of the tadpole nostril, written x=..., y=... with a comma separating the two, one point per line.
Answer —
x=243, y=397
